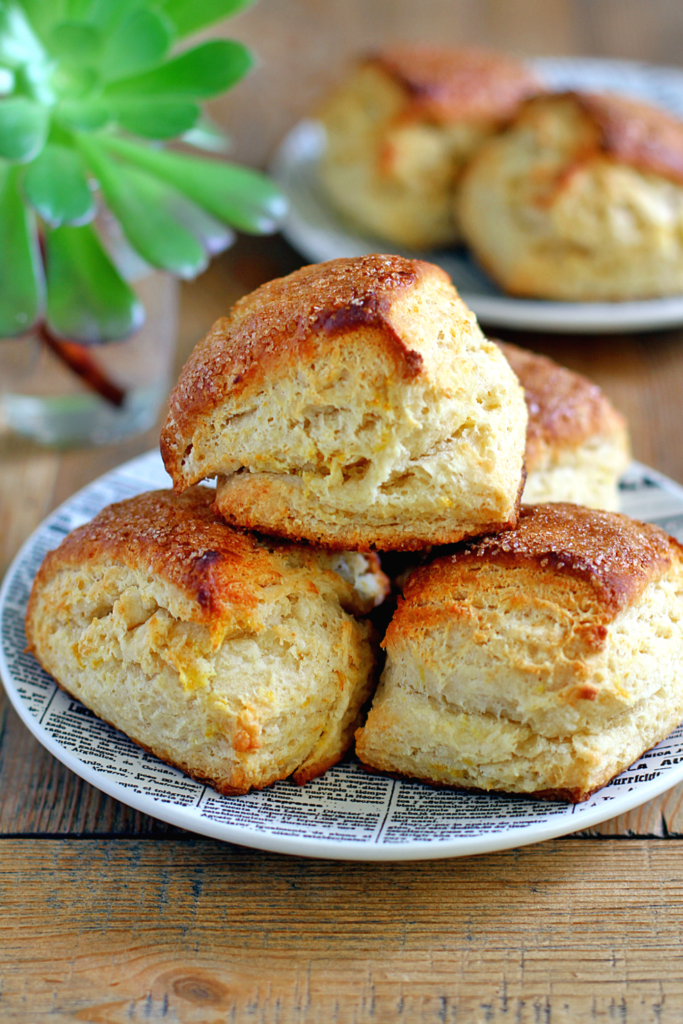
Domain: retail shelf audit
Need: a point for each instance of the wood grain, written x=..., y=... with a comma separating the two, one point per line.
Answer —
x=29, y=475
x=199, y=931
x=40, y=797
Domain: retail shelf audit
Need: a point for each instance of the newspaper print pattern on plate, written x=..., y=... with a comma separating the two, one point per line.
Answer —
x=345, y=814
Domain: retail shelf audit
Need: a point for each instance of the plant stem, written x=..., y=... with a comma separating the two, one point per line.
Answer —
x=79, y=360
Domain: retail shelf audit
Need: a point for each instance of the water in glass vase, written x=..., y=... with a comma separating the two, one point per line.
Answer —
x=42, y=398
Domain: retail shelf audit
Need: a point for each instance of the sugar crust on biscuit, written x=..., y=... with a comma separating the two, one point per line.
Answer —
x=355, y=404
x=577, y=443
x=237, y=659
x=541, y=661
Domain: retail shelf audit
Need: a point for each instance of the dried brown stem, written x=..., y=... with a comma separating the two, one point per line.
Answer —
x=81, y=362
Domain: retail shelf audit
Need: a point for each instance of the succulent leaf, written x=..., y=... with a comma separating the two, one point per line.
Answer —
x=21, y=290
x=19, y=44
x=80, y=9
x=212, y=235
x=56, y=186
x=87, y=299
x=189, y=16
x=82, y=115
x=140, y=41
x=153, y=117
x=196, y=74
x=103, y=14
x=75, y=42
x=146, y=210
x=243, y=198
x=207, y=136
x=40, y=15
x=35, y=81
x=74, y=75
x=23, y=128
x=7, y=81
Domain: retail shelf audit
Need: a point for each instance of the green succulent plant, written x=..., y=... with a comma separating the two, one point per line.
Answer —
x=90, y=91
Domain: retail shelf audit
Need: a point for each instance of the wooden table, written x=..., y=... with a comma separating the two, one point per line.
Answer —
x=110, y=916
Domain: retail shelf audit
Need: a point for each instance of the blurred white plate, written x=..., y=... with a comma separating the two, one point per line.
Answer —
x=319, y=233
x=347, y=814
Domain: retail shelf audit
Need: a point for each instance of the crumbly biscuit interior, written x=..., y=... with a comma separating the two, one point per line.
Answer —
x=585, y=474
x=277, y=696
x=549, y=215
x=355, y=431
x=514, y=689
x=394, y=176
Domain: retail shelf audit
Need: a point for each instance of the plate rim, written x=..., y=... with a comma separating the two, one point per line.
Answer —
x=327, y=849
x=501, y=310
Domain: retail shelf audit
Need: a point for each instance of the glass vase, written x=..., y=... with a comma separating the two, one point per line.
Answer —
x=42, y=398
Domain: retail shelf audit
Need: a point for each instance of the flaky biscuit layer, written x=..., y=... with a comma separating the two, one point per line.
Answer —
x=400, y=129
x=353, y=403
x=581, y=198
x=237, y=659
x=541, y=661
x=577, y=444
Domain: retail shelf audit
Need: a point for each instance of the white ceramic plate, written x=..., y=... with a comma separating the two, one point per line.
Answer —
x=319, y=233
x=346, y=814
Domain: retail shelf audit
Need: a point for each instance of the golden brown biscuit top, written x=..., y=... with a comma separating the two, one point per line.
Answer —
x=631, y=132
x=565, y=409
x=615, y=556
x=284, y=321
x=637, y=133
x=331, y=296
x=178, y=539
x=451, y=84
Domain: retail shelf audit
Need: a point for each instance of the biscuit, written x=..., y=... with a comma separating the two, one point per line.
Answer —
x=543, y=661
x=581, y=198
x=577, y=443
x=355, y=404
x=402, y=126
x=236, y=659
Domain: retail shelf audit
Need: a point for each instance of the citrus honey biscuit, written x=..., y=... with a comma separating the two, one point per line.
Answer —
x=541, y=661
x=238, y=660
x=577, y=443
x=581, y=198
x=400, y=129
x=355, y=403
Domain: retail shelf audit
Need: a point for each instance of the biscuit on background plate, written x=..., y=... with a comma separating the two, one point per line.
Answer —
x=580, y=198
x=401, y=127
x=237, y=659
x=543, y=660
x=356, y=404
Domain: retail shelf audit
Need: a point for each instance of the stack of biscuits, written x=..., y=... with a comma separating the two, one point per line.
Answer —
x=569, y=196
x=349, y=412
